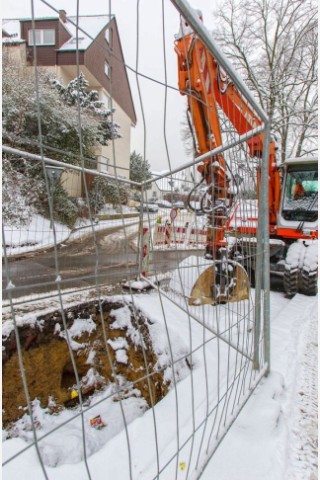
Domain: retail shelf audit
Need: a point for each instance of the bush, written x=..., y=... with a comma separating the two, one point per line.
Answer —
x=96, y=201
x=16, y=209
x=65, y=209
x=106, y=190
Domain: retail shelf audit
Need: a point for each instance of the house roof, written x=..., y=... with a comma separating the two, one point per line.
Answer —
x=89, y=28
x=11, y=31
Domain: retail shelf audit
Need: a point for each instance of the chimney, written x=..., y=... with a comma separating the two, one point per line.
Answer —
x=63, y=16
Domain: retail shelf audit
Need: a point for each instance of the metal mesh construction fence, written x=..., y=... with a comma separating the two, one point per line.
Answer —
x=111, y=368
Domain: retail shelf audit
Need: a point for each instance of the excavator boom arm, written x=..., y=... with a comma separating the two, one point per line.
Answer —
x=207, y=87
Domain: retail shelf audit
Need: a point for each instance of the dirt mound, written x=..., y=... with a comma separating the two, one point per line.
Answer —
x=109, y=343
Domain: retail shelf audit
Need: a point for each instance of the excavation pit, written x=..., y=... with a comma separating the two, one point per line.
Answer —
x=90, y=346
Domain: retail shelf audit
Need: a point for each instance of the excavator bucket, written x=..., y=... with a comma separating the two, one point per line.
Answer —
x=213, y=287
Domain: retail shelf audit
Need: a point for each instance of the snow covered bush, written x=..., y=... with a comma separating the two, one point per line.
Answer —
x=65, y=209
x=16, y=209
x=105, y=190
x=78, y=91
x=53, y=112
x=96, y=201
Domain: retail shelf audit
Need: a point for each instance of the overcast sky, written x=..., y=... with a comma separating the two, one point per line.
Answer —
x=148, y=136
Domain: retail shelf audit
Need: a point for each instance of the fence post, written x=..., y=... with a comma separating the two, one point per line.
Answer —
x=266, y=247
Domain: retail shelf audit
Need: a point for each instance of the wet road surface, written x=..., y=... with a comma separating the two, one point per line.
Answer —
x=106, y=258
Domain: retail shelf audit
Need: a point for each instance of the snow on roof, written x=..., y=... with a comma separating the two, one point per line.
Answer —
x=12, y=41
x=11, y=28
x=91, y=25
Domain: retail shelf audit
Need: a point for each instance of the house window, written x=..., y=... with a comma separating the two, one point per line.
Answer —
x=103, y=163
x=107, y=69
x=106, y=99
x=42, y=37
x=108, y=36
x=107, y=102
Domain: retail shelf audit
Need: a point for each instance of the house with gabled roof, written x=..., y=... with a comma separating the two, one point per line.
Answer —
x=170, y=187
x=95, y=45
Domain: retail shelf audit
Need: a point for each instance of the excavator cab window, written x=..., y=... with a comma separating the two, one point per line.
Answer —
x=300, y=201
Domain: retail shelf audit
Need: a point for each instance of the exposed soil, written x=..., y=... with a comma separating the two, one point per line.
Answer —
x=49, y=368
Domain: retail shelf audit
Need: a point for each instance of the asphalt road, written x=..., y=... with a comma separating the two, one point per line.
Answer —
x=109, y=258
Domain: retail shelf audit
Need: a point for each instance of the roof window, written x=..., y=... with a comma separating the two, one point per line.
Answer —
x=73, y=41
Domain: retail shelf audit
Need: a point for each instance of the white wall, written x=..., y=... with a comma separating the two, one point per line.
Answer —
x=118, y=151
x=71, y=182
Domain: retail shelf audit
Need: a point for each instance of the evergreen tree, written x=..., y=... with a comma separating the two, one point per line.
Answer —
x=139, y=168
x=77, y=92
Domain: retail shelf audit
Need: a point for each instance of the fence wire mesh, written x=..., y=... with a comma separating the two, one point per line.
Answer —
x=108, y=365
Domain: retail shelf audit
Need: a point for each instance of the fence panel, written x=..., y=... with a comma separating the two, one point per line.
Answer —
x=113, y=366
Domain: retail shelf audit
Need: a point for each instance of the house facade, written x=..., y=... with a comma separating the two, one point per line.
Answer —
x=171, y=187
x=95, y=46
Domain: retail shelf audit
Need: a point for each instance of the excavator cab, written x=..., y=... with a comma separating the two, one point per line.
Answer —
x=299, y=205
x=297, y=227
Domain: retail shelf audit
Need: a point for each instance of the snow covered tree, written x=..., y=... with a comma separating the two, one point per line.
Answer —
x=77, y=92
x=56, y=107
x=139, y=168
x=115, y=193
x=24, y=110
x=274, y=45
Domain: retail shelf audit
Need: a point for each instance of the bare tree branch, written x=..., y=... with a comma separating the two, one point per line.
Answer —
x=274, y=45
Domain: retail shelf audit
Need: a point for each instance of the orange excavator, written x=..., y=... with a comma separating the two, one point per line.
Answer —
x=293, y=227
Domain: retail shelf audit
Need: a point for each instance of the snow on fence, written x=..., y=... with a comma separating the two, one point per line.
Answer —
x=112, y=368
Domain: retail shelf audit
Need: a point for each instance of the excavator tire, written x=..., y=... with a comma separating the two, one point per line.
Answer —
x=301, y=269
x=309, y=282
x=205, y=288
x=291, y=282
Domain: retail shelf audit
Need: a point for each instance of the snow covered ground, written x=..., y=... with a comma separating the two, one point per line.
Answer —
x=274, y=437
